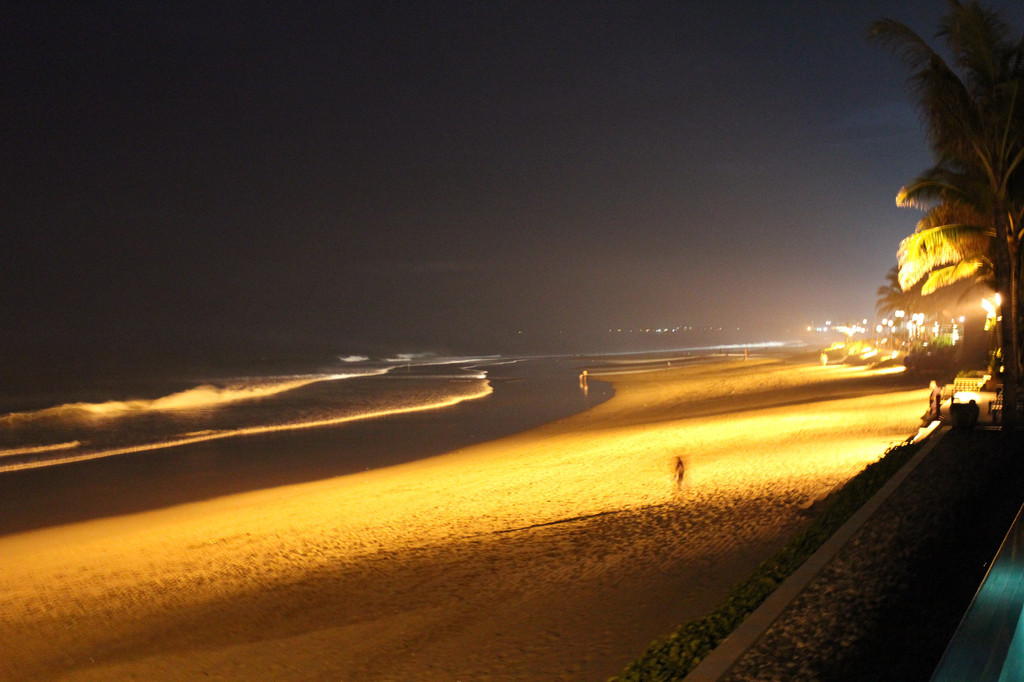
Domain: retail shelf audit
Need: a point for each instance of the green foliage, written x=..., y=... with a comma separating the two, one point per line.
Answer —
x=974, y=196
x=680, y=652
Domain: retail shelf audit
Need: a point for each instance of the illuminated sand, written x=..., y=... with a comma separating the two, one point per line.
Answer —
x=555, y=554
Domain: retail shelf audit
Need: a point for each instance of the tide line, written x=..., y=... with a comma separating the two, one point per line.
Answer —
x=203, y=436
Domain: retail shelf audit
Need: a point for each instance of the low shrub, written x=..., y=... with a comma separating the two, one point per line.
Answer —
x=680, y=652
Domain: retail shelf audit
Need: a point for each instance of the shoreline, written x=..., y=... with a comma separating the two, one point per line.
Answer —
x=522, y=398
x=557, y=553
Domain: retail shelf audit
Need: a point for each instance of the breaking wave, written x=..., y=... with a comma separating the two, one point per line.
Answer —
x=208, y=435
x=200, y=397
x=79, y=431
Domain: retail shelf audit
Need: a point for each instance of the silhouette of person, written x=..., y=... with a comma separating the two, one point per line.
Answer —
x=973, y=412
x=583, y=380
x=934, y=400
x=680, y=472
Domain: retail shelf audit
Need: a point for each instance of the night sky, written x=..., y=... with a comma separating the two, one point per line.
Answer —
x=458, y=176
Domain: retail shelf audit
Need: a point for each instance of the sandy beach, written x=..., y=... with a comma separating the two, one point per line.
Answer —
x=554, y=554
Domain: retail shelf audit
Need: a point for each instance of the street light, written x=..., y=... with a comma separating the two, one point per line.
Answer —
x=992, y=318
x=991, y=307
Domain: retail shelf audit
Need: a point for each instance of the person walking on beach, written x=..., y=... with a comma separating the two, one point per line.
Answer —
x=934, y=400
x=583, y=380
x=680, y=472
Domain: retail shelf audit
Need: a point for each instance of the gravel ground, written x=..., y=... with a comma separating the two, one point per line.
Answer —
x=887, y=605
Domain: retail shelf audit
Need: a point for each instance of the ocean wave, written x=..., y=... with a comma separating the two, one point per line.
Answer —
x=205, y=396
x=408, y=358
x=39, y=449
x=41, y=456
x=430, y=359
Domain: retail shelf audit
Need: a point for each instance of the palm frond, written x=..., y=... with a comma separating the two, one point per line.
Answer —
x=939, y=246
x=959, y=221
x=945, y=183
x=978, y=38
x=921, y=193
x=952, y=274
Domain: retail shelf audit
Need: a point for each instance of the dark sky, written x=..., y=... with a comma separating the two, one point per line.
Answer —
x=450, y=174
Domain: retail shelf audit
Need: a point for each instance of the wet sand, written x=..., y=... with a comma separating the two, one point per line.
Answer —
x=525, y=395
x=558, y=553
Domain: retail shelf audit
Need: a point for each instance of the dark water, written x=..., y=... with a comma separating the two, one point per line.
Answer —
x=159, y=440
x=227, y=408
x=83, y=439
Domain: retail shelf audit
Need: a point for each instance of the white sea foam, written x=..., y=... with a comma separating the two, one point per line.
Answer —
x=241, y=406
x=51, y=455
x=205, y=396
x=408, y=358
x=39, y=449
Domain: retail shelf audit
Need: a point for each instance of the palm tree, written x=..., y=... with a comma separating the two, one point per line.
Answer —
x=953, y=241
x=942, y=305
x=892, y=296
x=975, y=125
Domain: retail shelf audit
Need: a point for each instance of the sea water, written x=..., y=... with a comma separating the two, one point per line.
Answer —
x=351, y=389
x=114, y=442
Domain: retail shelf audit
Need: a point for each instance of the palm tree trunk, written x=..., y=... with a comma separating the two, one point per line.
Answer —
x=1015, y=329
x=1011, y=357
x=1007, y=282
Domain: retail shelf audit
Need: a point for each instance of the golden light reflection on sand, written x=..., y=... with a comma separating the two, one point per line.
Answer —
x=569, y=545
